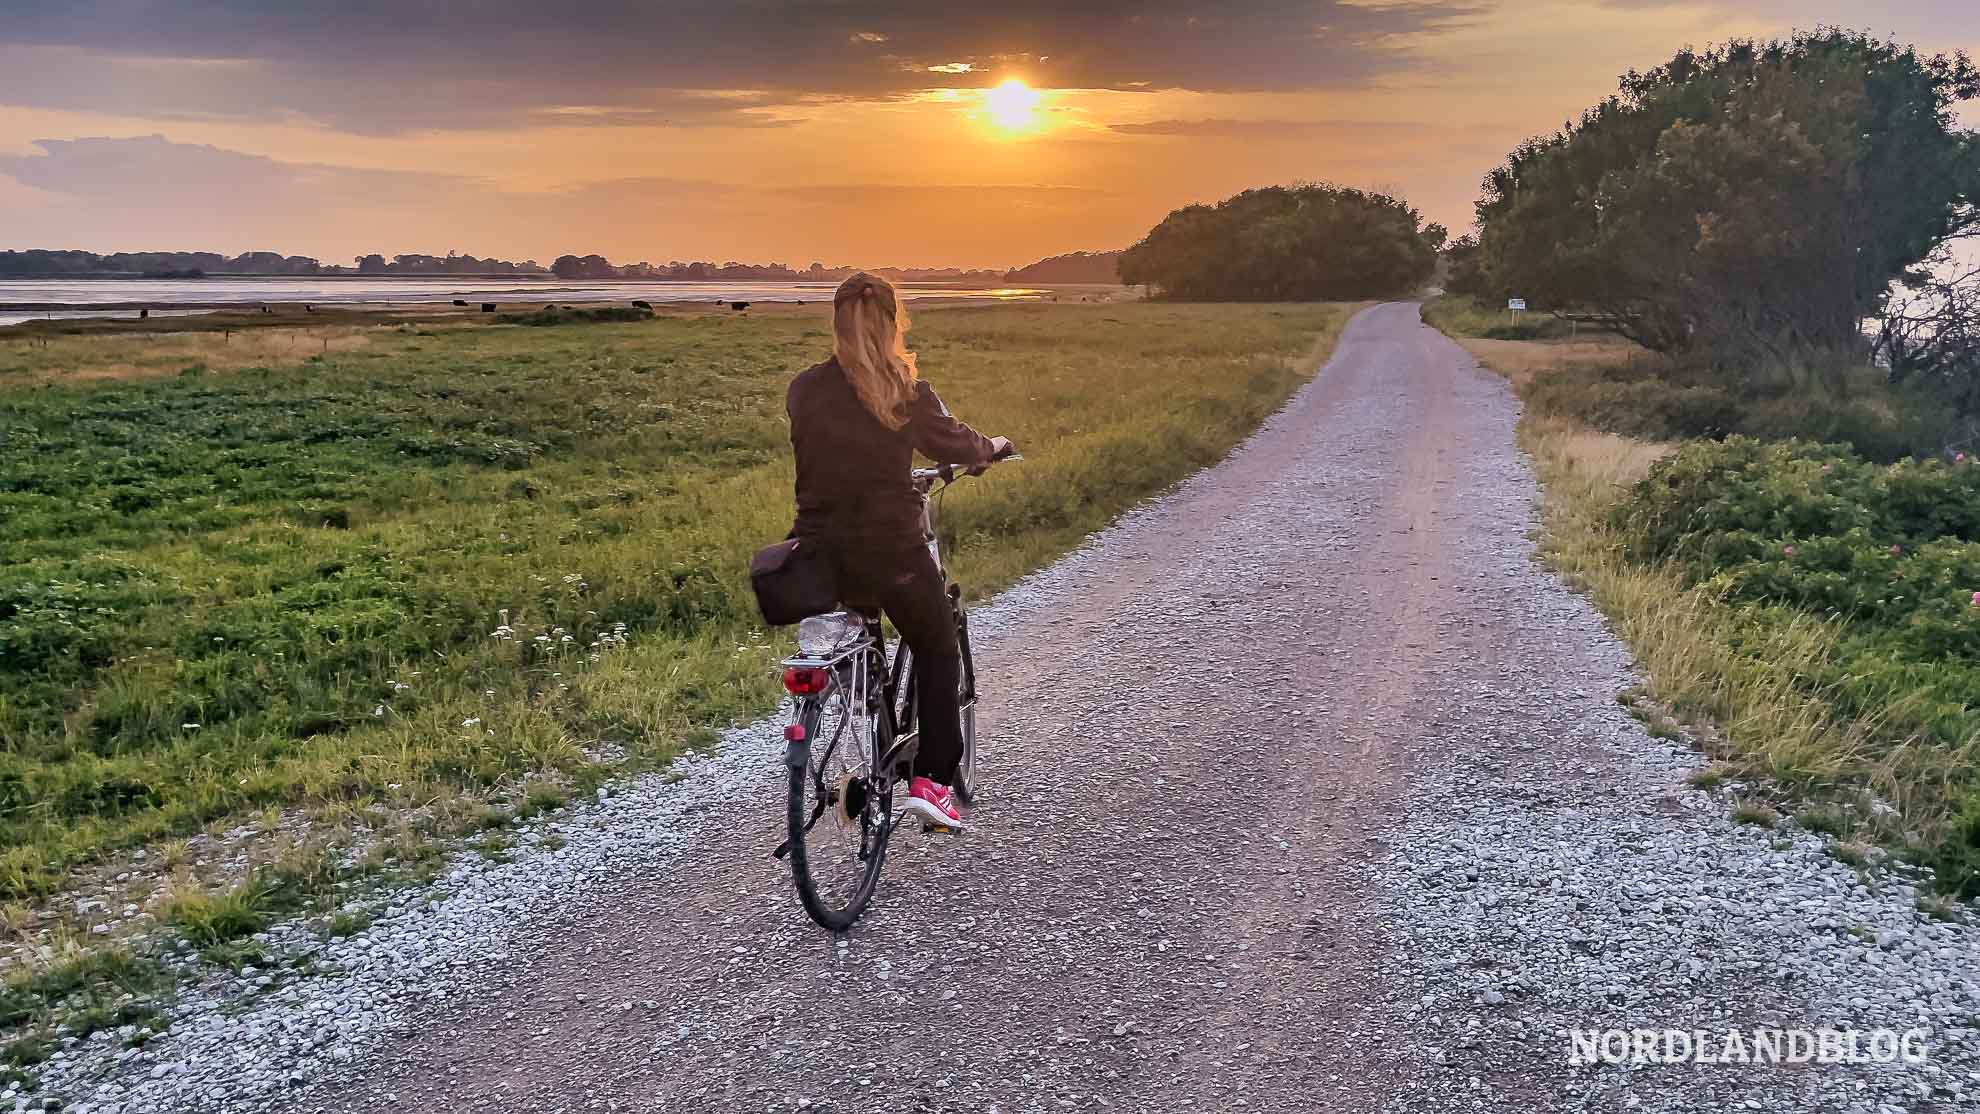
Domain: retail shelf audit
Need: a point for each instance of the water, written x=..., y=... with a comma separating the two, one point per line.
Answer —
x=36, y=299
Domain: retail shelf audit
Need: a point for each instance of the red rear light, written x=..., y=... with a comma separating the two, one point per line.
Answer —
x=794, y=733
x=806, y=680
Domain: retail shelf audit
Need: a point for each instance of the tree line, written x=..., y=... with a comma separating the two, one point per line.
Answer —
x=1758, y=207
x=41, y=263
x=599, y=267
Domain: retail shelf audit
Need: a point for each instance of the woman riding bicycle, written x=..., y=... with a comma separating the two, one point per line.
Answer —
x=856, y=421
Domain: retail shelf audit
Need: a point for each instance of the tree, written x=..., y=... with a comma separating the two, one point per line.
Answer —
x=1464, y=269
x=585, y=267
x=1929, y=334
x=1073, y=267
x=1757, y=198
x=1286, y=243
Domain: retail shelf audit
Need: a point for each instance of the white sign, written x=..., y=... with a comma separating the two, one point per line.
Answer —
x=1516, y=303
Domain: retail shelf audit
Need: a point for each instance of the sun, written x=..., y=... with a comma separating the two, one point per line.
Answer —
x=1013, y=105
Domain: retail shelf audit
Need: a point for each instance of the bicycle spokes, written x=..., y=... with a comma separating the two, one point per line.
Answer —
x=836, y=864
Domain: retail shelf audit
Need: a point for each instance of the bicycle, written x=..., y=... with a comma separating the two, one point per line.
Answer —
x=852, y=739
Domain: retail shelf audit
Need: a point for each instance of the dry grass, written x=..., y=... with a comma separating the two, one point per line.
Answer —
x=1741, y=690
x=1758, y=813
x=112, y=356
x=1762, y=720
x=1522, y=361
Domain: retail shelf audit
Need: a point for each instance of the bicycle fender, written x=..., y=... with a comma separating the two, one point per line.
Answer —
x=796, y=753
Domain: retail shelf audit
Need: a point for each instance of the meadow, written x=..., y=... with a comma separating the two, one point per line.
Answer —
x=443, y=572
x=1805, y=610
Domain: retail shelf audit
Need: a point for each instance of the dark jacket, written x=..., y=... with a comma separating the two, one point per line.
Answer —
x=852, y=472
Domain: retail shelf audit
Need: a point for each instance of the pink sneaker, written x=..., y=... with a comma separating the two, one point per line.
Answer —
x=933, y=804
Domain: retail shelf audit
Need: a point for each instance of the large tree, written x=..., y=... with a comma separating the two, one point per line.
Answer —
x=1287, y=243
x=1756, y=195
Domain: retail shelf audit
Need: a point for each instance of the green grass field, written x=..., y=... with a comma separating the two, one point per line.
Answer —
x=395, y=568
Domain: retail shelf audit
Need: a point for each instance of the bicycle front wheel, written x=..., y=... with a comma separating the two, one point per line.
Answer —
x=909, y=716
x=841, y=805
x=966, y=782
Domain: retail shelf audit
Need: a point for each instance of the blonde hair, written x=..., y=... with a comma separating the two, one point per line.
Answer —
x=868, y=327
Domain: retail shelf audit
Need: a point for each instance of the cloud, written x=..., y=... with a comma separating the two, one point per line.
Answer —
x=149, y=193
x=17, y=199
x=385, y=65
x=157, y=168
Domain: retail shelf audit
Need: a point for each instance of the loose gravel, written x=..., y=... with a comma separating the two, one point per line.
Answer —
x=1306, y=789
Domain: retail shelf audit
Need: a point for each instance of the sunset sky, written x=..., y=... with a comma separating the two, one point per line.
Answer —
x=839, y=132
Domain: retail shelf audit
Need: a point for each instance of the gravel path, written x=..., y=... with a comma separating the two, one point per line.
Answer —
x=1306, y=790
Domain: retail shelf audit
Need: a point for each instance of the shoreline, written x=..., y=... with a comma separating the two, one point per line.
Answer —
x=121, y=317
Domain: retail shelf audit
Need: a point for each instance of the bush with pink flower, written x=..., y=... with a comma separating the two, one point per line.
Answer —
x=1889, y=555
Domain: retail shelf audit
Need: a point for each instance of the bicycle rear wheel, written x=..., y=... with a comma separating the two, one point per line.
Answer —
x=841, y=806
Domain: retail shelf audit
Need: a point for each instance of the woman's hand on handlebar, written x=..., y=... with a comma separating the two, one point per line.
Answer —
x=1000, y=449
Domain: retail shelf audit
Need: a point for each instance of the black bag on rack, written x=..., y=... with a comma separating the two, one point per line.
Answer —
x=793, y=581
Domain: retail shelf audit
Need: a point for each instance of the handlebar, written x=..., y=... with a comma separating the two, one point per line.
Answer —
x=949, y=473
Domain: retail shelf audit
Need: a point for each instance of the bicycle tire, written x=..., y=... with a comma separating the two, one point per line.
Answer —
x=819, y=905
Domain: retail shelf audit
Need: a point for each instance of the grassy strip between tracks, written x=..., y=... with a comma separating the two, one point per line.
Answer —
x=1808, y=616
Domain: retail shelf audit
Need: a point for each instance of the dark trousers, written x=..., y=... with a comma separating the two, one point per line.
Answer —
x=903, y=581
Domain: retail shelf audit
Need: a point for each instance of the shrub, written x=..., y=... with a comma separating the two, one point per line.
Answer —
x=1878, y=422
x=1639, y=405
x=209, y=919
x=1886, y=557
x=553, y=315
x=1712, y=504
x=1756, y=813
x=88, y=982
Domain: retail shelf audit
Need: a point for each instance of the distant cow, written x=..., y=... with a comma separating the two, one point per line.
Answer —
x=460, y=302
x=639, y=304
x=488, y=307
x=739, y=306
